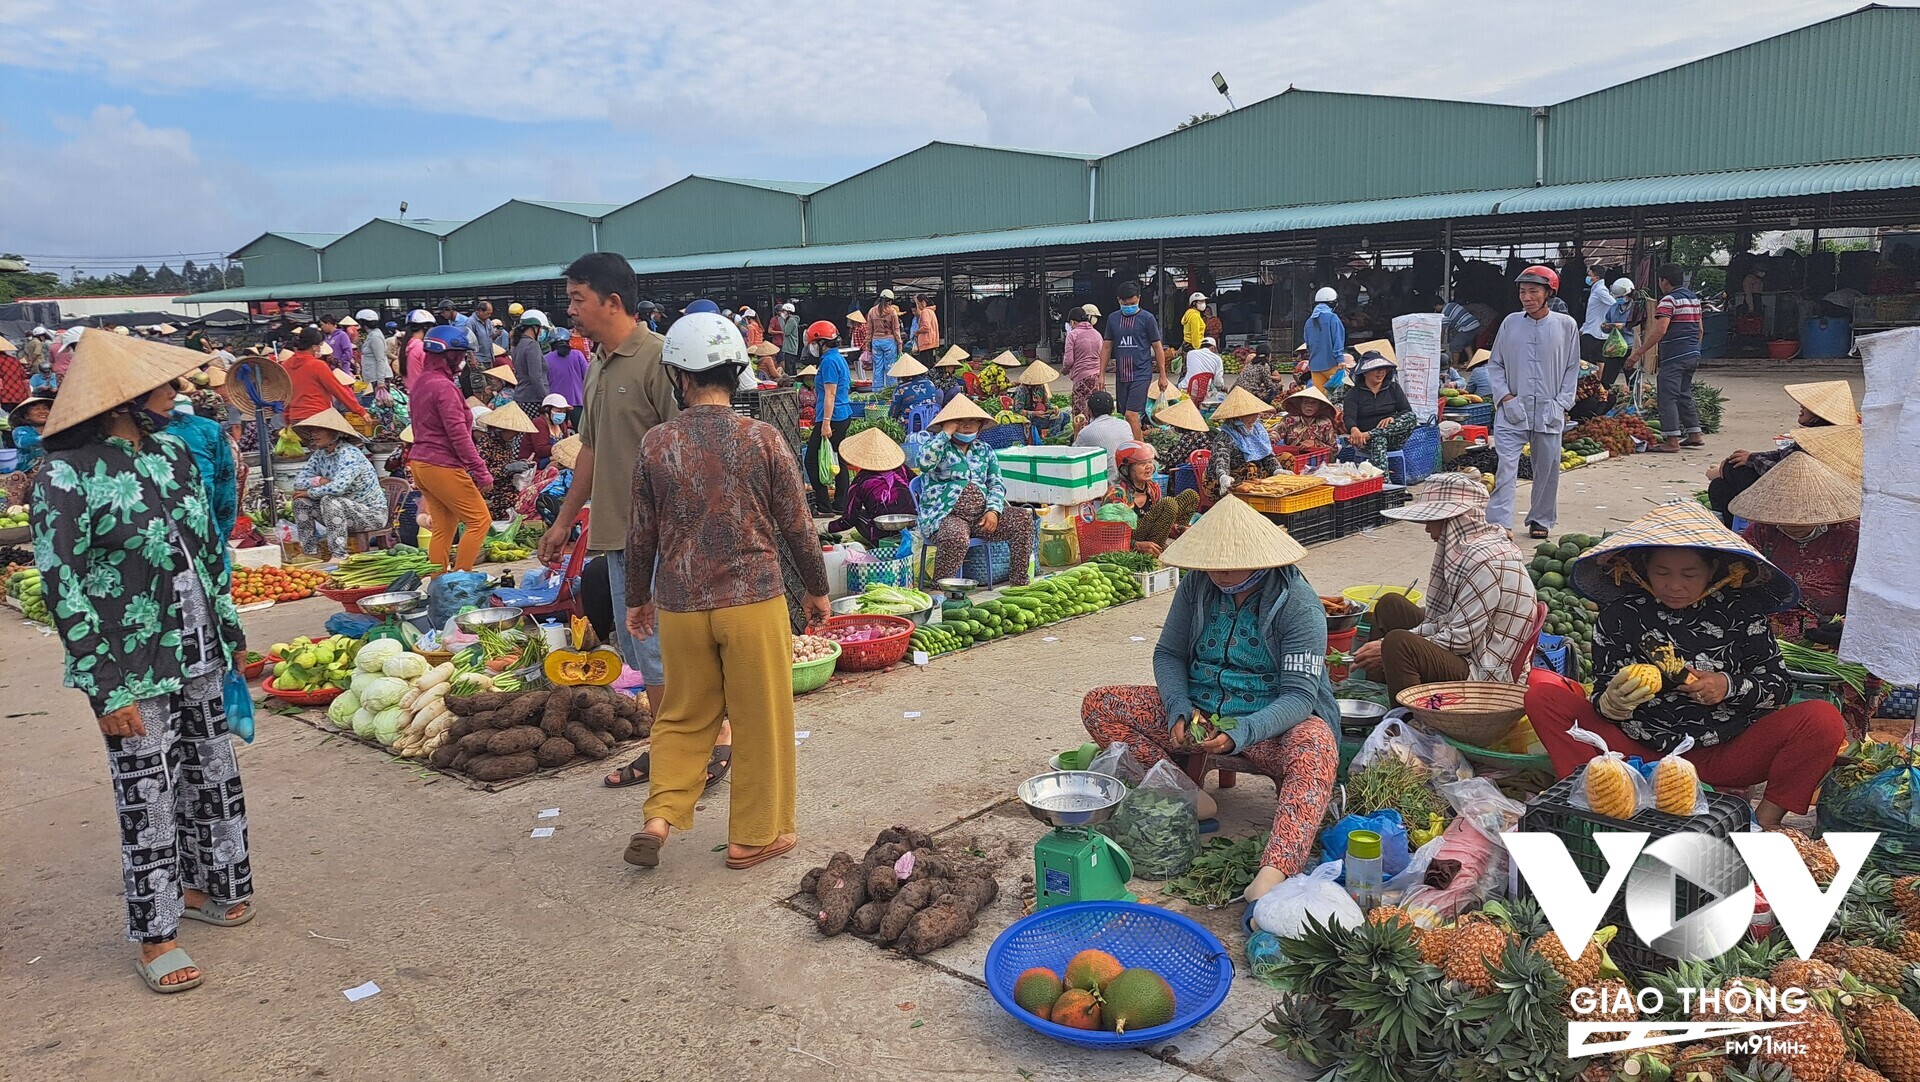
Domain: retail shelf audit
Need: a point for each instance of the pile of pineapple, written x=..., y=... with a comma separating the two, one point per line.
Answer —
x=1487, y=997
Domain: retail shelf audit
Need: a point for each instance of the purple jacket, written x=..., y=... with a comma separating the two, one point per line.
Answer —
x=873, y=495
x=442, y=424
x=342, y=349
x=567, y=376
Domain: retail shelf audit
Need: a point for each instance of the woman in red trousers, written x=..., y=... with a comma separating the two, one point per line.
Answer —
x=1678, y=579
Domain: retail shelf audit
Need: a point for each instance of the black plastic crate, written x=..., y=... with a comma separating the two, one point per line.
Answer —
x=1352, y=516
x=1553, y=812
x=1396, y=495
x=1309, y=527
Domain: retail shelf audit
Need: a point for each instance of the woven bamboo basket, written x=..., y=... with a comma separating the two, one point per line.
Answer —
x=1477, y=712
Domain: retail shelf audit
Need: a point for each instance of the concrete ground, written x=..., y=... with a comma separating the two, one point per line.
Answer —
x=501, y=956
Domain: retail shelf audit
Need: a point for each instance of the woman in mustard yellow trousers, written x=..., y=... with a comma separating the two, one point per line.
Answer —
x=714, y=494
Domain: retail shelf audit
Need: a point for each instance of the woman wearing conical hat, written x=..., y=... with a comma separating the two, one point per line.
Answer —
x=963, y=496
x=1033, y=398
x=1242, y=448
x=499, y=434
x=1307, y=419
x=338, y=491
x=879, y=485
x=1804, y=517
x=1245, y=641
x=915, y=391
x=1677, y=588
x=1822, y=405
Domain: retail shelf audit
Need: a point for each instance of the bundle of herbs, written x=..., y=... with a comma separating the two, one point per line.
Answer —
x=1392, y=781
x=1220, y=874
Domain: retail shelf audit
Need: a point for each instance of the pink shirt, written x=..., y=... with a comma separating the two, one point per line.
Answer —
x=1082, y=353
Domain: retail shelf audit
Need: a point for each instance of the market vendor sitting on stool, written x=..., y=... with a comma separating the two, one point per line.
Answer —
x=1307, y=419
x=1033, y=398
x=1242, y=449
x=963, y=495
x=1157, y=514
x=337, y=492
x=1677, y=587
x=1479, y=609
x=1246, y=640
x=916, y=389
x=880, y=488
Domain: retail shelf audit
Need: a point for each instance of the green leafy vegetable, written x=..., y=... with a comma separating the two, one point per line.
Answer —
x=1220, y=873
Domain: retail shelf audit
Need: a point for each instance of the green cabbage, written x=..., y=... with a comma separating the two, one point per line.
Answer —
x=404, y=665
x=363, y=723
x=387, y=723
x=340, y=711
x=374, y=655
x=383, y=693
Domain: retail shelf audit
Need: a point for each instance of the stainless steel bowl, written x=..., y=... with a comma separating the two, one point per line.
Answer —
x=1350, y=620
x=1358, y=716
x=1072, y=798
x=895, y=523
x=846, y=606
x=398, y=601
x=957, y=587
x=498, y=617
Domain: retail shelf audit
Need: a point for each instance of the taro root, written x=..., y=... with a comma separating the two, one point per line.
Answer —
x=515, y=740
x=866, y=919
x=588, y=742
x=912, y=898
x=949, y=918
x=442, y=757
x=600, y=717
x=839, y=892
x=554, y=751
x=501, y=767
x=475, y=743
x=554, y=718
x=526, y=707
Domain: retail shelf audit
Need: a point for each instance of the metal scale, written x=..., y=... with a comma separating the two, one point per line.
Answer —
x=1076, y=863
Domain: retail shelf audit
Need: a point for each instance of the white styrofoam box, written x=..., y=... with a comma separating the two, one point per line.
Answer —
x=1052, y=475
x=257, y=556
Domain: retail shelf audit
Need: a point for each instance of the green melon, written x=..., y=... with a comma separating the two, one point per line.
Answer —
x=1137, y=999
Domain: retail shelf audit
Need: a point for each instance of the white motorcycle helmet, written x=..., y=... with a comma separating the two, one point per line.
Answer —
x=1327, y=295
x=700, y=341
x=1621, y=287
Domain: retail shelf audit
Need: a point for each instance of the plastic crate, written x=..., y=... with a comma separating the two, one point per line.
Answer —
x=1157, y=581
x=1309, y=527
x=1354, y=491
x=1481, y=414
x=890, y=571
x=1305, y=459
x=1183, y=480
x=1417, y=458
x=1900, y=703
x=1553, y=812
x=1317, y=496
x=1001, y=437
x=1097, y=538
x=1352, y=516
x=1397, y=495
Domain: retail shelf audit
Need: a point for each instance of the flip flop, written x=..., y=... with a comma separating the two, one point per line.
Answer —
x=212, y=912
x=173, y=961
x=643, y=850
x=633, y=773
x=1537, y=532
x=718, y=765
x=780, y=848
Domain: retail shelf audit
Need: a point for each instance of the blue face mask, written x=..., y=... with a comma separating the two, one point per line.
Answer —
x=1249, y=583
x=1129, y=309
x=966, y=437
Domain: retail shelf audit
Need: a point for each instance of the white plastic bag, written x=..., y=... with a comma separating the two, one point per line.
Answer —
x=1117, y=761
x=1640, y=797
x=1284, y=909
x=1396, y=736
x=1676, y=783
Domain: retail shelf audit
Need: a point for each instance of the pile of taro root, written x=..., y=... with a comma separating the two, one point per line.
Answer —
x=905, y=893
x=508, y=734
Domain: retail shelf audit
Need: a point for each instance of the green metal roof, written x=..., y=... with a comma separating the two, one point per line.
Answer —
x=791, y=187
x=439, y=227
x=307, y=240
x=585, y=210
x=1783, y=183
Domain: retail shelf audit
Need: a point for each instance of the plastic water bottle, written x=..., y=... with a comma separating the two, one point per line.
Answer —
x=1363, y=868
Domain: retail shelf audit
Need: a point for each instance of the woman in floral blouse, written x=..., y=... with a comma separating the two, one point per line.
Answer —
x=498, y=436
x=137, y=585
x=963, y=496
x=1307, y=419
x=1677, y=580
x=338, y=492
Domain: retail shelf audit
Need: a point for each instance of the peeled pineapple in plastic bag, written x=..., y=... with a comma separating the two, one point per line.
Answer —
x=1676, y=784
x=1607, y=785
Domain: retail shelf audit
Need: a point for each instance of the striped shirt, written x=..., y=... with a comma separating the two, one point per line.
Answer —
x=1482, y=603
x=1681, y=310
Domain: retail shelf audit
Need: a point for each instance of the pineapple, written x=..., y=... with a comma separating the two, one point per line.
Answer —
x=1703, y=1062
x=1812, y=975
x=1608, y=1010
x=1676, y=786
x=1852, y=1071
x=1608, y=782
x=1873, y=965
x=1906, y=897
x=1433, y=945
x=1580, y=973
x=1825, y=1041
x=1472, y=949
x=1818, y=858
x=1891, y=1034
x=1861, y=924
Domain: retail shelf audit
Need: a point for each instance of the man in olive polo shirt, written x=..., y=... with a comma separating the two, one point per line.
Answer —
x=627, y=393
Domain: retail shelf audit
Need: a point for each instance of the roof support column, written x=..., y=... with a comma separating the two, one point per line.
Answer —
x=1446, y=260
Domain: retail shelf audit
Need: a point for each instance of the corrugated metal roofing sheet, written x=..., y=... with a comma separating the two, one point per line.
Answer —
x=791, y=187
x=585, y=210
x=1782, y=183
x=439, y=227
x=311, y=240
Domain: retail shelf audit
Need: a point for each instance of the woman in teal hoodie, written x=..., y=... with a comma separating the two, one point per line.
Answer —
x=1245, y=641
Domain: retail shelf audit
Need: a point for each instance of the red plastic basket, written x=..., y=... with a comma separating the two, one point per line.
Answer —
x=1359, y=488
x=874, y=653
x=350, y=599
x=1100, y=537
x=1473, y=433
x=1304, y=457
x=301, y=698
x=1342, y=640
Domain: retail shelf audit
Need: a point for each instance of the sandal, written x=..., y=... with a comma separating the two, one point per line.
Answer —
x=643, y=850
x=632, y=774
x=1538, y=533
x=718, y=765
x=166, y=966
x=212, y=912
x=780, y=848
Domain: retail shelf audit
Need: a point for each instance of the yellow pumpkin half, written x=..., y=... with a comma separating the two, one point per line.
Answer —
x=597, y=667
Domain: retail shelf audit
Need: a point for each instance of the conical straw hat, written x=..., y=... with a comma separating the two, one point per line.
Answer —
x=1038, y=374
x=508, y=418
x=1480, y=357
x=1799, y=491
x=110, y=369
x=907, y=367
x=856, y=317
x=763, y=349
x=475, y=403
x=954, y=355
x=1309, y=391
x=960, y=409
x=1182, y=415
x=810, y=370
x=1006, y=359
x=1838, y=447
x=1831, y=400
x=1240, y=403
x=504, y=373
x=1601, y=573
x=1232, y=537
x=406, y=435
x=267, y=377
x=331, y=420
x=1381, y=346
x=872, y=449
x=566, y=452
x=7, y=346
x=499, y=350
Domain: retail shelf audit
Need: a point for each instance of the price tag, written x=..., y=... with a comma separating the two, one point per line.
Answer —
x=912, y=714
x=549, y=813
x=360, y=992
x=920, y=657
x=542, y=832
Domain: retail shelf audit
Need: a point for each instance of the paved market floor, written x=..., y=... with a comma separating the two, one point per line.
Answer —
x=501, y=956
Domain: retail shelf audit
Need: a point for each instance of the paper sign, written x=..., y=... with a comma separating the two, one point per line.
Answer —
x=919, y=657
x=913, y=713
x=1137, y=638
x=356, y=994
x=801, y=735
x=542, y=832
x=1416, y=342
x=549, y=813
x=1051, y=638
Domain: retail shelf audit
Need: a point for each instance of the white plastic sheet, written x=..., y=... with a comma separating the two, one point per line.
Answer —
x=1883, y=605
x=1416, y=343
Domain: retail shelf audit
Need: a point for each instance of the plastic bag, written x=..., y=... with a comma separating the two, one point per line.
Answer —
x=1676, y=784
x=1411, y=878
x=1264, y=956
x=1117, y=761
x=352, y=625
x=1158, y=824
x=1284, y=910
x=1117, y=512
x=1466, y=868
x=1608, y=785
x=1394, y=852
x=1395, y=736
x=1616, y=344
x=1482, y=804
x=454, y=593
x=239, y=705
x=1888, y=802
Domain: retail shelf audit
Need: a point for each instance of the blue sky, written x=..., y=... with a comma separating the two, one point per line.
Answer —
x=136, y=131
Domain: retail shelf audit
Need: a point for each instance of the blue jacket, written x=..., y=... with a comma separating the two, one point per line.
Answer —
x=1295, y=626
x=1326, y=337
x=213, y=457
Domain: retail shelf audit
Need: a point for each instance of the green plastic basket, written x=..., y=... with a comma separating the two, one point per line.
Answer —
x=814, y=675
x=1503, y=759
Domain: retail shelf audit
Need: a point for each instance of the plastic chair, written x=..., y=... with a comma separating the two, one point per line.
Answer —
x=920, y=416
x=395, y=489
x=1523, y=660
x=567, y=598
x=1198, y=386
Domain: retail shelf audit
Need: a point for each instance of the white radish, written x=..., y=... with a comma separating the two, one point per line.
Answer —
x=435, y=677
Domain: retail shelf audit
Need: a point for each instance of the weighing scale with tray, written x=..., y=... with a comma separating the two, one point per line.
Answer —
x=1075, y=863
x=395, y=607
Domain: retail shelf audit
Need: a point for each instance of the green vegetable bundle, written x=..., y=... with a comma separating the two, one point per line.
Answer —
x=1159, y=832
x=364, y=569
x=1127, y=561
x=880, y=599
x=885, y=424
x=1802, y=658
x=1707, y=401
x=1220, y=874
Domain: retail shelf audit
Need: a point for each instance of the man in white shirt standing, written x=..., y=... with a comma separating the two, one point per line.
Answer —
x=1593, y=330
x=1104, y=430
x=1203, y=359
x=1535, y=371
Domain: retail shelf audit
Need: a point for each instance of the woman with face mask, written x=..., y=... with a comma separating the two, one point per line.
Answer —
x=1244, y=642
x=337, y=492
x=1378, y=418
x=1242, y=449
x=549, y=428
x=135, y=576
x=963, y=495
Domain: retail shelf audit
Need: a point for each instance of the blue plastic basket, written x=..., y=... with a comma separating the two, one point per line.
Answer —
x=1554, y=652
x=989, y=563
x=1188, y=957
x=1001, y=437
x=1418, y=457
x=1183, y=480
x=1901, y=702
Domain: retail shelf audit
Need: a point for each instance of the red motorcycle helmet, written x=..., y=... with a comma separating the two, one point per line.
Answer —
x=822, y=331
x=1539, y=276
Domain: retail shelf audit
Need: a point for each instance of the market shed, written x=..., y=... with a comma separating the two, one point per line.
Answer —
x=521, y=232
x=709, y=214
x=276, y=258
x=946, y=188
x=390, y=246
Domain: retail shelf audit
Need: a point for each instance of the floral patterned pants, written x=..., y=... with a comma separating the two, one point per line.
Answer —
x=1302, y=763
x=1158, y=523
x=183, y=820
x=329, y=519
x=1015, y=528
